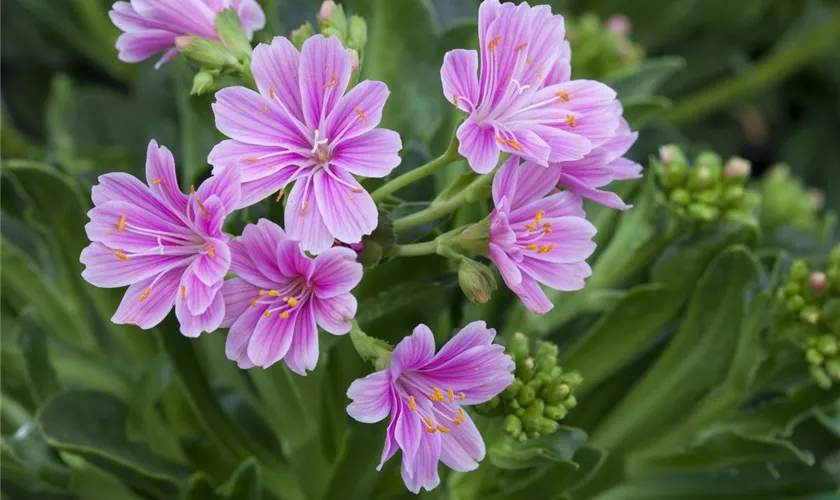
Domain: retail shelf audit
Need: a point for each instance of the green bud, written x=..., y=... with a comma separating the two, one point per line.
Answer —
x=203, y=82
x=229, y=29
x=513, y=389
x=301, y=34
x=818, y=281
x=792, y=289
x=540, y=380
x=814, y=357
x=476, y=280
x=476, y=238
x=570, y=403
x=371, y=349
x=556, y=393
x=573, y=378
x=827, y=345
x=547, y=349
x=527, y=396
x=703, y=212
x=699, y=177
x=733, y=194
x=493, y=403
x=519, y=345
x=204, y=52
x=513, y=426
x=810, y=314
x=832, y=366
x=821, y=377
x=795, y=304
x=514, y=405
x=533, y=413
x=680, y=197
x=332, y=21
x=545, y=426
x=834, y=256
x=710, y=196
x=675, y=174
x=799, y=271
x=556, y=412
x=526, y=369
x=710, y=161
x=671, y=153
x=357, y=33
x=736, y=170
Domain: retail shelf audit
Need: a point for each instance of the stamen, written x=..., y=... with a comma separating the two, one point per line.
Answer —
x=361, y=114
x=515, y=145
x=461, y=413
x=305, y=206
x=280, y=194
x=428, y=421
x=267, y=313
x=120, y=255
x=438, y=395
x=545, y=249
x=532, y=246
x=500, y=140
x=262, y=292
x=530, y=227
x=273, y=293
x=203, y=209
x=121, y=223
x=145, y=294
x=333, y=81
x=491, y=47
x=529, y=61
x=253, y=302
x=292, y=302
x=412, y=403
x=357, y=190
x=564, y=96
x=271, y=91
x=520, y=47
x=252, y=160
x=192, y=189
x=210, y=251
x=451, y=394
x=443, y=429
x=547, y=230
x=431, y=430
x=264, y=110
x=571, y=121
x=183, y=292
x=539, y=215
x=284, y=315
x=455, y=100
x=461, y=396
x=157, y=182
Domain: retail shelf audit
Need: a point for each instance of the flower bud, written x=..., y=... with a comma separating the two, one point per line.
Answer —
x=357, y=33
x=795, y=304
x=827, y=345
x=799, y=271
x=737, y=169
x=733, y=194
x=817, y=197
x=810, y=314
x=526, y=369
x=556, y=412
x=832, y=366
x=792, y=289
x=680, y=197
x=618, y=24
x=814, y=357
x=820, y=377
x=231, y=34
x=818, y=281
x=205, y=53
x=476, y=280
x=202, y=82
x=671, y=153
x=354, y=60
x=513, y=426
x=527, y=395
x=476, y=238
x=570, y=403
x=519, y=346
x=327, y=9
x=301, y=34
x=703, y=212
x=513, y=389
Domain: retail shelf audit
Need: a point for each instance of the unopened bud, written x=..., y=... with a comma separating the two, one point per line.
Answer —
x=556, y=412
x=827, y=345
x=327, y=9
x=354, y=59
x=799, y=271
x=792, y=289
x=202, y=82
x=570, y=402
x=526, y=369
x=820, y=377
x=818, y=281
x=513, y=426
x=817, y=197
x=703, y=212
x=814, y=357
x=513, y=389
x=527, y=395
x=671, y=153
x=357, y=33
x=732, y=194
x=832, y=366
x=476, y=280
x=206, y=53
x=301, y=34
x=618, y=24
x=476, y=238
x=519, y=346
x=736, y=169
x=231, y=34
x=680, y=197
x=532, y=415
x=810, y=314
x=795, y=304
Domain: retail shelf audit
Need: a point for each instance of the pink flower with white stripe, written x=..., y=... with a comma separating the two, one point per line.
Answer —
x=167, y=246
x=512, y=107
x=280, y=296
x=538, y=237
x=424, y=393
x=301, y=127
x=151, y=26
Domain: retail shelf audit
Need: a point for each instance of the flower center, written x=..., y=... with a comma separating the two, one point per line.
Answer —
x=320, y=149
x=437, y=408
x=282, y=301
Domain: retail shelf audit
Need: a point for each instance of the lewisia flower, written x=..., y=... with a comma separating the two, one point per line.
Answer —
x=279, y=295
x=424, y=392
x=151, y=26
x=511, y=106
x=168, y=246
x=538, y=238
x=302, y=127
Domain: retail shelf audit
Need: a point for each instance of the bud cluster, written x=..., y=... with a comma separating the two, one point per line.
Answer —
x=812, y=299
x=787, y=201
x=707, y=191
x=601, y=48
x=332, y=20
x=541, y=394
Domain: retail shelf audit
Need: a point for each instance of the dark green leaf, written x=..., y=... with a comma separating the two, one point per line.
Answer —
x=33, y=342
x=644, y=80
x=559, y=446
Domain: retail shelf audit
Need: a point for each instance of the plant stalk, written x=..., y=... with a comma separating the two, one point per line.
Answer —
x=449, y=156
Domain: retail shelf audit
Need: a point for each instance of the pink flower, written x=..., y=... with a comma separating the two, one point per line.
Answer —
x=511, y=106
x=151, y=26
x=536, y=238
x=302, y=127
x=423, y=392
x=279, y=295
x=169, y=247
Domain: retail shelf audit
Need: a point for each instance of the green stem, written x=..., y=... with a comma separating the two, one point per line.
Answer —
x=769, y=70
x=478, y=190
x=415, y=250
x=449, y=156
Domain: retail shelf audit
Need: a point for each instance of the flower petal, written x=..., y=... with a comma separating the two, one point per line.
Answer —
x=248, y=117
x=478, y=145
x=334, y=314
x=259, y=242
x=271, y=338
x=138, y=46
x=606, y=198
x=323, y=77
x=184, y=16
x=373, y=154
x=336, y=272
x=413, y=352
x=532, y=296
x=303, y=353
x=462, y=448
x=356, y=113
x=224, y=184
x=459, y=78
x=119, y=186
x=212, y=266
x=292, y=262
x=147, y=302
x=422, y=471
x=161, y=177
x=275, y=69
x=127, y=227
x=566, y=277
x=208, y=215
x=196, y=295
x=371, y=397
x=304, y=221
x=237, y=294
x=239, y=336
x=508, y=269
x=347, y=209
x=193, y=325
x=252, y=161
x=473, y=335
x=104, y=269
x=257, y=190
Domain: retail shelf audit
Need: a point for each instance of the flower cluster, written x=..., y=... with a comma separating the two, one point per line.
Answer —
x=545, y=142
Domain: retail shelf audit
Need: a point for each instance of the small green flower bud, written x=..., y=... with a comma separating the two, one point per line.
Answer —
x=820, y=377
x=519, y=411
x=818, y=281
x=527, y=395
x=519, y=345
x=231, y=34
x=547, y=349
x=203, y=82
x=680, y=197
x=703, y=212
x=827, y=345
x=810, y=314
x=799, y=271
x=671, y=153
x=573, y=378
x=675, y=174
x=514, y=404
x=512, y=390
x=301, y=34
x=513, y=426
x=736, y=170
x=570, y=403
x=556, y=393
x=476, y=238
x=545, y=426
x=832, y=366
x=476, y=280
x=357, y=33
x=556, y=412
x=817, y=198
x=526, y=369
x=814, y=357
x=699, y=177
x=533, y=413
x=326, y=11
x=795, y=304
x=733, y=194
x=710, y=196
x=539, y=381
x=791, y=289
x=204, y=52
x=750, y=200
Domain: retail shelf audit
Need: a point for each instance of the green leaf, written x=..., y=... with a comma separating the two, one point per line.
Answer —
x=92, y=424
x=41, y=375
x=94, y=483
x=243, y=484
x=644, y=79
x=557, y=447
x=35, y=460
x=639, y=110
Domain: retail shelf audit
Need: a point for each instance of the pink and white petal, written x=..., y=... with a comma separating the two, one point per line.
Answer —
x=138, y=46
x=413, y=352
x=501, y=234
x=193, y=325
x=253, y=162
x=239, y=336
x=478, y=145
x=124, y=17
x=535, y=181
x=562, y=69
x=473, y=335
x=184, y=16
x=147, y=302
x=584, y=95
x=113, y=224
x=546, y=32
x=105, y=270
x=237, y=294
x=336, y=272
x=271, y=338
x=459, y=76
x=422, y=471
x=597, y=127
x=213, y=264
x=391, y=446
x=472, y=369
x=257, y=190
x=505, y=181
x=196, y=295
x=566, y=145
x=303, y=353
x=303, y=218
x=528, y=145
x=162, y=179
x=119, y=186
x=166, y=57
x=371, y=397
x=625, y=169
x=244, y=267
x=347, y=209
x=357, y=112
x=408, y=429
x=275, y=70
x=499, y=54
x=462, y=448
x=260, y=242
x=334, y=314
x=590, y=170
x=532, y=296
x=248, y=117
x=563, y=204
x=623, y=140
x=507, y=267
x=566, y=277
x=571, y=240
x=323, y=77
x=224, y=184
x=373, y=154
x=207, y=215
x=292, y=262
x=606, y=198
x=251, y=15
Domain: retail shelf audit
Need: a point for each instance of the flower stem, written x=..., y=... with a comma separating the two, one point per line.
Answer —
x=771, y=69
x=479, y=189
x=415, y=249
x=449, y=156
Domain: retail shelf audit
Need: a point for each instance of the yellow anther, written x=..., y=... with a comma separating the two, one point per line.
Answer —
x=304, y=207
x=529, y=61
x=443, y=429
x=280, y=194
x=253, y=302
x=451, y=394
x=530, y=227
x=515, y=145
x=431, y=430
x=333, y=81
x=192, y=189
x=500, y=140
x=120, y=255
x=538, y=216
x=495, y=41
x=264, y=110
x=456, y=421
x=271, y=91
x=356, y=190
x=428, y=421
x=252, y=160
x=412, y=403
x=520, y=47
x=262, y=292
x=564, y=96
x=203, y=209
x=284, y=315
x=532, y=246
x=121, y=223
x=292, y=302
x=455, y=100
x=183, y=292
x=547, y=230
x=438, y=394
x=361, y=114
x=157, y=182
x=145, y=294
x=210, y=251
x=267, y=313
x=461, y=413
x=273, y=293
x=545, y=249
x=461, y=396
x=571, y=121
